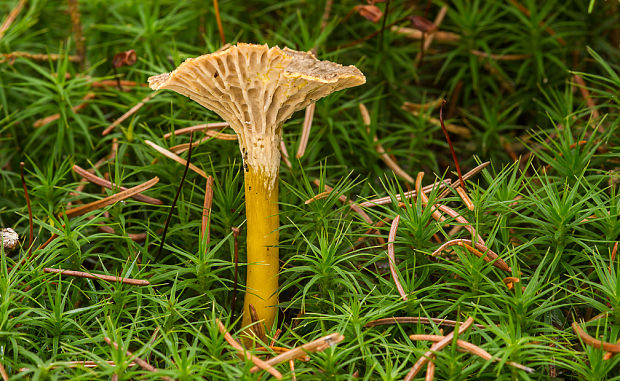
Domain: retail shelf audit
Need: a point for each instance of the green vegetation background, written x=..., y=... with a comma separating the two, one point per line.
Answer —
x=552, y=215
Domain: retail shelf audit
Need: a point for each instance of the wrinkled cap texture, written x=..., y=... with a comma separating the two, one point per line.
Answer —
x=255, y=89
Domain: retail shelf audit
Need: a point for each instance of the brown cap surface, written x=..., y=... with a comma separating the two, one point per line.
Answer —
x=256, y=88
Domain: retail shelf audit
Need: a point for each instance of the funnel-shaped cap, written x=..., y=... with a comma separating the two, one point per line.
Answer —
x=256, y=89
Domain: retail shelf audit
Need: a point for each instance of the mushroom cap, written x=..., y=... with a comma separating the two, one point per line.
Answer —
x=255, y=89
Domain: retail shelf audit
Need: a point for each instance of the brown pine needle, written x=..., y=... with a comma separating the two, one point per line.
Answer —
x=436, y=347
x=609, y=347
x=76, y=26
x=280, y=350
x=392, y=258
x=317, y=345
x=84, y=363
x=414, y=320
x=216, y=10
x=428, y=40
x=74, y=212
x=473, y=349
x=392, y=164
x=612, y=257
x=126, y=115
x=11, y=17
x=356, y=208
x=143, y=364
x=49, y=119
x=305, y=130
x=244, y=352
x=465, y=198
x=430, y=371
x=453, y=128
x=466, y=176
x=586, y=95
x=3, y=373
x=418, y=34
x=107, y=278
x=10, y=57
x=206, y=210
x=198, y=127
x=136, y=237
x=408, y=195
x=500, y=57
x=480, y=250
x=179, y=149
x=176, y=158
x=317, y=197
x=549, y=30
x=285, y=157
x=109, y=185
x=30, y=222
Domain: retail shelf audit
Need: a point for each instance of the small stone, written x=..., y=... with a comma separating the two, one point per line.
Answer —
x=8, y=238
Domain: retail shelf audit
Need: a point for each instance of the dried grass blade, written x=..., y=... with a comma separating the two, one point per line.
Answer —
x=70, y=213
x=176, y=158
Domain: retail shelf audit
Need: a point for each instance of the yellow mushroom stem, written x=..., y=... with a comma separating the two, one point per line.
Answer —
x=261, y=207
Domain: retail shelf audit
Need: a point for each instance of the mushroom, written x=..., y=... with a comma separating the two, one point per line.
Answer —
x=256, y=89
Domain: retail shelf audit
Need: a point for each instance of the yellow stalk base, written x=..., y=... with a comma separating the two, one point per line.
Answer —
x=261, y=207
